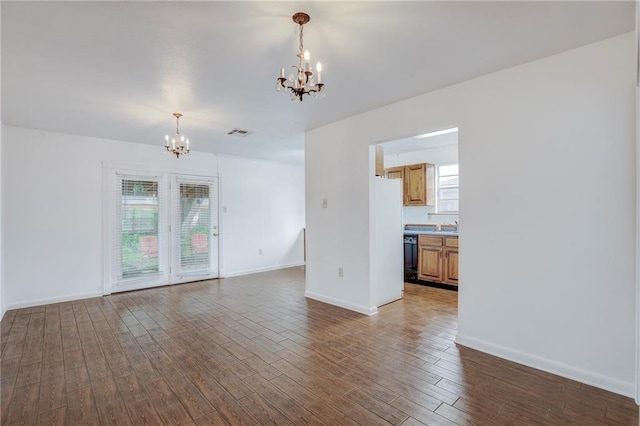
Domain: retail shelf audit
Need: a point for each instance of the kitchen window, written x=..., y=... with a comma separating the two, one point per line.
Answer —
x=447, y=192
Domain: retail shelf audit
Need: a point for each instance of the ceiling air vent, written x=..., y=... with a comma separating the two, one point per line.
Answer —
x=238, y=132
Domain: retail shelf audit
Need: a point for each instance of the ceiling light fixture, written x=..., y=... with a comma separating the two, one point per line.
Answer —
x=301, y=77
x=438, y=133
x=177, y=145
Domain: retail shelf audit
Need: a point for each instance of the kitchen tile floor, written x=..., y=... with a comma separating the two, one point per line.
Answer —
x=252, y=350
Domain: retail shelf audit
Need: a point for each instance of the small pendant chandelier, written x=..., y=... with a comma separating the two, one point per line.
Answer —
x=301, y=81
x=177, y=145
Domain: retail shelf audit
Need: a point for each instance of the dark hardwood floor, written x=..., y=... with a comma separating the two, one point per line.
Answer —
x=252, y=350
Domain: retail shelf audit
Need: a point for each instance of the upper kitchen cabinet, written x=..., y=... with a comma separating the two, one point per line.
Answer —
x=379, y=160
x=396, y=173
x=418, y=183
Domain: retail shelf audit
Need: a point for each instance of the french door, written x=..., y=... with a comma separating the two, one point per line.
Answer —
x=193, y=229
x=159, y=229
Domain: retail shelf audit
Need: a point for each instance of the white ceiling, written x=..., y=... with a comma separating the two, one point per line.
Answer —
x=118, y=70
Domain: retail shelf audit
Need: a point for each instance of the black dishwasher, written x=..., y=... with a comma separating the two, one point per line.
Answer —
x=410, y=258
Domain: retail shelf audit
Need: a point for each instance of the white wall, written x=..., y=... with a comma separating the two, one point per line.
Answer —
x=637, y=30
x=52, y=210
x=338, y=235
x=2, y=308
x=439, y=155
x=551, y=284
x=264, y=203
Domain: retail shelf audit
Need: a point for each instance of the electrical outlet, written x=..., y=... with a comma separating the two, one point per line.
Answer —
x=224, y=209
x=260, y=252
x=340, y=271
x=325, y=203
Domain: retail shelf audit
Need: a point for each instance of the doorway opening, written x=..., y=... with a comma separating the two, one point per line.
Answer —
x=428, y=167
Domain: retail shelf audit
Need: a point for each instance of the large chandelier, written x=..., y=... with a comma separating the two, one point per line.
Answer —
x=177, y=145
x=301, y=80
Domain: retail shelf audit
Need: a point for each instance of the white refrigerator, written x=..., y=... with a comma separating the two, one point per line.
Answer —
x=387, y=249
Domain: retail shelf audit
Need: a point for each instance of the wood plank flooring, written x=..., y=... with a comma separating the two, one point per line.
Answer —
x=252, y=350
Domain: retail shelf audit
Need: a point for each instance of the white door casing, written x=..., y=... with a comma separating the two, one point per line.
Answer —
x=167, y=249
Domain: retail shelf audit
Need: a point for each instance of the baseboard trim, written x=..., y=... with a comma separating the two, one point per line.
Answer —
x=341, y=303
x=258, y=270
x=49, y=300
x=550, y=366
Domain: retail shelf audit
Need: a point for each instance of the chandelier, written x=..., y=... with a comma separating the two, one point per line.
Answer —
x=177, y=145
x=301, y=80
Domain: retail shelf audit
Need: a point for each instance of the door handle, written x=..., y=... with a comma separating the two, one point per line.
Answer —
x=215, y=234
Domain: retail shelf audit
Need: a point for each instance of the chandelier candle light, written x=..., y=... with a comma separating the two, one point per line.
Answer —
x=177, y=145
x=301, y=80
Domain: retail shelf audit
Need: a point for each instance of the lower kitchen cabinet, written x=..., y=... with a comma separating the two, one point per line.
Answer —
x=451, y=266
x=438, y=259
x=429, y=263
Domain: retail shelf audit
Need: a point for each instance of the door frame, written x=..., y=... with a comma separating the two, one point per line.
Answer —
x=109, y=171
x=175, y=277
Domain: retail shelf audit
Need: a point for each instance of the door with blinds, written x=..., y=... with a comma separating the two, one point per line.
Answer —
x=194, y=229
x=159, y=229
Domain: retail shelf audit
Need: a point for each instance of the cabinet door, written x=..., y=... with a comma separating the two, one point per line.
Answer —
x=429, y=263
x=395, y=173
x=451, y=266
x=379, y=160
x=416, y=185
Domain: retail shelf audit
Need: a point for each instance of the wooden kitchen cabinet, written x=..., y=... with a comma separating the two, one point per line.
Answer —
x=379, y=160
x=395, y=173
x=438, y=259
x=450, y=260
x=429, y=263
x=418, y=183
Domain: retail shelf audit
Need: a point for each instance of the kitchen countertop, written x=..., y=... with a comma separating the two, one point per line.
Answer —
x=434, y=233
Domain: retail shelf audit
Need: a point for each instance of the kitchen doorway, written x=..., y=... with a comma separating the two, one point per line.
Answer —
x=428, y=166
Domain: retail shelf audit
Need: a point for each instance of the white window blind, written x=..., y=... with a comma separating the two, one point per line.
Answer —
x=137, y=237
x=194, y=226
x=448, y=189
